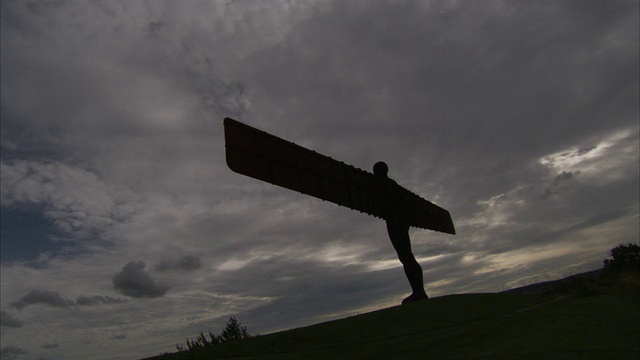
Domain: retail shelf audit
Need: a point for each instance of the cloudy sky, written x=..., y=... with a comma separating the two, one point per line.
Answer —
x=124, y=232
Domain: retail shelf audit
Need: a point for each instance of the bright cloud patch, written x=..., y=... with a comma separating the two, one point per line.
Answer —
x=76, y=200
x=609, y=159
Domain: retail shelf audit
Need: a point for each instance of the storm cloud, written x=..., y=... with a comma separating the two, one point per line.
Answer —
x=9, y=351
x=132, y=280
x=45, y=297
x=9, y=320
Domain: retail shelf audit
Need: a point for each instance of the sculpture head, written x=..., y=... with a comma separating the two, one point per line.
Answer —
x=380, y=169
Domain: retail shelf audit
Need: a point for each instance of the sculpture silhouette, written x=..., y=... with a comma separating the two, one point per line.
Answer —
x=395, y=214
x=265, y=157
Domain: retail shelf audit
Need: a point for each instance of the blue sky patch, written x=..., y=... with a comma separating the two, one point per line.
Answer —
x=26, y=233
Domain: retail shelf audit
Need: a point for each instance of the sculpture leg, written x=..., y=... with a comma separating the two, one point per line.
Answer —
x=399, y=235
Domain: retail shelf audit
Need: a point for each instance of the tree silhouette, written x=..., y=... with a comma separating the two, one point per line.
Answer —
x=233, y=331
x=625, y=258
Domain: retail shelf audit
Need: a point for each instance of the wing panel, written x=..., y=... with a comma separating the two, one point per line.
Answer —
x=260, y=155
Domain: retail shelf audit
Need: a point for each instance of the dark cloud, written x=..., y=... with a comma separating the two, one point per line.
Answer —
x=98, y=300
x=558, y=183
x=154, y=28
x=7, y=319
x=585, y=150
x=595, y=220
x=120, y=337
x=45, y=297
x=134, y=281
x=436, y=91
x=51, y=346
x=10, y=351
x=185, y=263
x=55, y=299
x=566, y=175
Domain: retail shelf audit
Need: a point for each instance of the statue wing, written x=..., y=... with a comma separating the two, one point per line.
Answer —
x=265, y=157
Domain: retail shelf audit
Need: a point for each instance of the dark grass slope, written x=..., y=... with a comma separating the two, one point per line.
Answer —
x=512, y=325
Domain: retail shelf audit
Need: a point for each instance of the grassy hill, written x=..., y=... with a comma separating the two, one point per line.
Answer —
x=557, y=320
